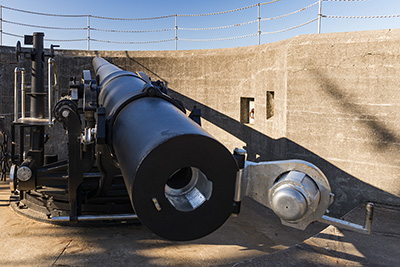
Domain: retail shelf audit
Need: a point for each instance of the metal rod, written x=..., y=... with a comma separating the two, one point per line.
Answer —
x=176, y=32
x=342, y=224
x=16, y=70
x=319, y=15
x=88, y=32
x=15, y=94
x=369, y=217
x=259, y=23
x=13, y=143
x=83, y=218
x=21, y=144
x=23, y=93
x=366, y=229
x=50, y=62
x=55, y=85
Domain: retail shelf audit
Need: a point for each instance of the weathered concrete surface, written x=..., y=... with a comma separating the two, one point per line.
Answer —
x=336, y=102
x=25, y=242
x=335, y=247
x=255, y=238
x=343, y=106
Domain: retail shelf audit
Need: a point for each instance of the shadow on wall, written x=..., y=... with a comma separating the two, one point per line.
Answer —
x=349, y=190
x=384, y=137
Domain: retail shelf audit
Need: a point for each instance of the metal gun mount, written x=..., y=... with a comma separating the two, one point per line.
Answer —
x=134, y=154
x=297, y=191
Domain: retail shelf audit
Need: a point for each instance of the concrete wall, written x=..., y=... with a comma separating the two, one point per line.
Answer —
x=335, y=102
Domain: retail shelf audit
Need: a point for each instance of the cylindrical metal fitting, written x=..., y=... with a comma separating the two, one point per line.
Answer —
x=24, y=173
x=293, y=196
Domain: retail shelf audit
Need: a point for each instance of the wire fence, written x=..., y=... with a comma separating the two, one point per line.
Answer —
x=175, y=32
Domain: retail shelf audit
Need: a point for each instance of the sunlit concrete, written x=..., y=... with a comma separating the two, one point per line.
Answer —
x=25, y=242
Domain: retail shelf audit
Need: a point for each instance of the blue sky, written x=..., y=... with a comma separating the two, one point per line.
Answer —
x=152, y=8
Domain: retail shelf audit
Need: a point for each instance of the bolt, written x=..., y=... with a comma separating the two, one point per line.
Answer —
x=239, y=152
x=65, y=113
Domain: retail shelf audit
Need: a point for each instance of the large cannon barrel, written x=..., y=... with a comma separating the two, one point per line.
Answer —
x=180, y=180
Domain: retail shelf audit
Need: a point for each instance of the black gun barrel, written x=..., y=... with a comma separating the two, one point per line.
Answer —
x=179, y=178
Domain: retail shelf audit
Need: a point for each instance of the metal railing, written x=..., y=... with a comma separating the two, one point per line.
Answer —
x=177, y=29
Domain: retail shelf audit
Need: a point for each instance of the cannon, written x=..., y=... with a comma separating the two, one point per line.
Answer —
x=134, y=154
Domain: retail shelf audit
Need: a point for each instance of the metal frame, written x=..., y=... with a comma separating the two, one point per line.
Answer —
x=23, y=118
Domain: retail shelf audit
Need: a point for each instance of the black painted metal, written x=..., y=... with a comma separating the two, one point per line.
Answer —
x=4, y=150
x=77, y=186
x=37, y=97
x=152, y=139
x=37, y=90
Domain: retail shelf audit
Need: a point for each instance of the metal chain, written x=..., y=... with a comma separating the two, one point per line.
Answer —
x=138, y=31
x=14, y=35
x=50, y=40
x=217, y=13
x=151, y=18
x=68, y=40
x=217, y=28
x=361, y=17
x=43, y=14
x=270, y=2
x=292, y=13
x=227, y=11
x=182, y=15
x=144, y=42
x=44, y=27
x=218, y=39
x=291, y=28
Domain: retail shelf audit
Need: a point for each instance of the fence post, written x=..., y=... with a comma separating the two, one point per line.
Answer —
x=319, y=15
x=1, y=25
x=176, y=31
x=259, y=23
x=88, y=32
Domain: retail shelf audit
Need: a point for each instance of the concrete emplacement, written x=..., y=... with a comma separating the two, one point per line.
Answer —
x=330, y=99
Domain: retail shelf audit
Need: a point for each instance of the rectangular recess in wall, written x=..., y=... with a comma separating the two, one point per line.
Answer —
x=270, y=104
x=247, y=110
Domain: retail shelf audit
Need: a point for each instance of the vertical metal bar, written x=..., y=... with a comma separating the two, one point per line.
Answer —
x=16, y=94
x=319, y=15
x=21, y=144
x=13, y=143
x=88, y=32
x=259, y=23
x=368, y=217
x=176, y=31
x=22, y=93
x=49, y=85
